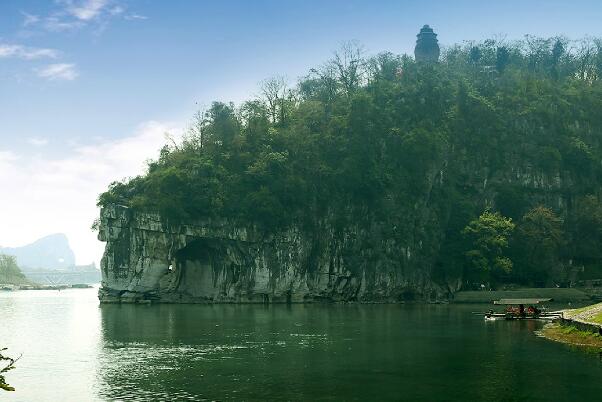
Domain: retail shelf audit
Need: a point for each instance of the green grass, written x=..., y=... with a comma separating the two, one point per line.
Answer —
x=573, y=336
x=597, y=318
x=571, y=330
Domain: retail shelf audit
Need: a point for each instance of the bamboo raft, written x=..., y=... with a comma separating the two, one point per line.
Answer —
x=516, y=310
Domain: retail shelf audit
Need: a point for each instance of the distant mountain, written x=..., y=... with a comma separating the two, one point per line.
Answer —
x=50, y=261
x=50, y=252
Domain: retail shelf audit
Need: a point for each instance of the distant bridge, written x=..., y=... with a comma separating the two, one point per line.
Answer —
x=62, y=277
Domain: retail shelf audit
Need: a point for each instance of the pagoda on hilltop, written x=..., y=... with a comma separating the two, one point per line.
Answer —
x=427, y=46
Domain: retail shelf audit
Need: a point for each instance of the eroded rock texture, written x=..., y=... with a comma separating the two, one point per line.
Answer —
x=397, y=258
x=214, y=261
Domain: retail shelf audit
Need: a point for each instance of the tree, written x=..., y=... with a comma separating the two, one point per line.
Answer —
x=541, y=237
x=585, y=225
x=475, y=55
x=197, y=129
x=510, y=201
x=276, y=94
x=502, y=58
x=557, y=53
x=349, y=64
x=489, y=235
x=9, y=270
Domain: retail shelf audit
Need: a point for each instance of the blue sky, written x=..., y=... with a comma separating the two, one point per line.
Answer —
x=80, y=79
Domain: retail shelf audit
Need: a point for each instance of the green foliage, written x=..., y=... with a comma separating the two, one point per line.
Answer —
x=540, y=239
x=489, y=235
x=10, y=272
x=510, y=201
x=585, y=227
x=381, y=140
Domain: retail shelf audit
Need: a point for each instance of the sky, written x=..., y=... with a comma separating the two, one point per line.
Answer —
x=89, y=88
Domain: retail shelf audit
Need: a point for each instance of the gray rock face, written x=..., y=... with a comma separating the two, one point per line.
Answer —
x=214, y=261
x=398, y=259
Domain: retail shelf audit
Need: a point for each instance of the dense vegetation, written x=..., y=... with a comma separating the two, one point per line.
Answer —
x=10, y=273
x=500, y=142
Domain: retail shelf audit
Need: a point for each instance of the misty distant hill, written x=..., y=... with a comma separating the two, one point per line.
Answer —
x=50, y=261
x=50, y=252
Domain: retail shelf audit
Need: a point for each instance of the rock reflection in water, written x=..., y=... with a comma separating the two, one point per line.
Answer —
x=352, y=352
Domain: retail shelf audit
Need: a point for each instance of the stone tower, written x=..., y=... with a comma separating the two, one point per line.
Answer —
x=427, y=46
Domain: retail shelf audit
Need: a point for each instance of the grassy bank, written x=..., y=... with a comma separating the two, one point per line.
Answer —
x=571, y=335
x=573, y=329
x=557, y=294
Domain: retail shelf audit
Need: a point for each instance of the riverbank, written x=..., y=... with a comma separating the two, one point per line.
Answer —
x=571, y=335
x=12, y=287
x=560, y=295
x=580, y=327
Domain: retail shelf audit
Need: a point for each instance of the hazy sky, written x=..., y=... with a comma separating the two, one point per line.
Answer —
x=89, y=87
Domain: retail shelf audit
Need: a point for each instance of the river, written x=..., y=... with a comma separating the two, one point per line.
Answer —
x=73, y=349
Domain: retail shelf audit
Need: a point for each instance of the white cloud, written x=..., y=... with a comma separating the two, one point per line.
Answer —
x=59, y=195
x=27, y=53
x=117, y=10
x=87, y=10
x=29, y=19
x=56, y=24
x=131, y=17
x=37, y=142
x=70, y=15
x=58, y=71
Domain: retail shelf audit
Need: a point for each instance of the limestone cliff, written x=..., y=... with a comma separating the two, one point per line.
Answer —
x=216, y=261
x=147, y=258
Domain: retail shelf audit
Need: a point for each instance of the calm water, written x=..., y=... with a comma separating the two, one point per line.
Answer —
x=75, y=350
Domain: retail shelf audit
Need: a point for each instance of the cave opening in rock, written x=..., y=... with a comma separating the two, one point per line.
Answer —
x=196, y=250
x=194, y=265
x=208, y=268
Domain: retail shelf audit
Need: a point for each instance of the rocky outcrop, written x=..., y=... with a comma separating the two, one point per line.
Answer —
x=147, y=259
x=385, y=259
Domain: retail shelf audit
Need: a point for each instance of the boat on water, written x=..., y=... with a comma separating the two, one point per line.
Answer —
x=491, y=316
x=522, y=309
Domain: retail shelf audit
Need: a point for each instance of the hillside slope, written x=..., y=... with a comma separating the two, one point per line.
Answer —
x=376, y=179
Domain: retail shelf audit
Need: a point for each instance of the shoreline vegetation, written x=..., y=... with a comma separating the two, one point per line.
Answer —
x=7, y=364
x=570, y=335
x=572, y=329
x=10, y=273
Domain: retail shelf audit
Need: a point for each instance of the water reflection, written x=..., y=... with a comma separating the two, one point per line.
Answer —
x=330, y=353
x=75, y=350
